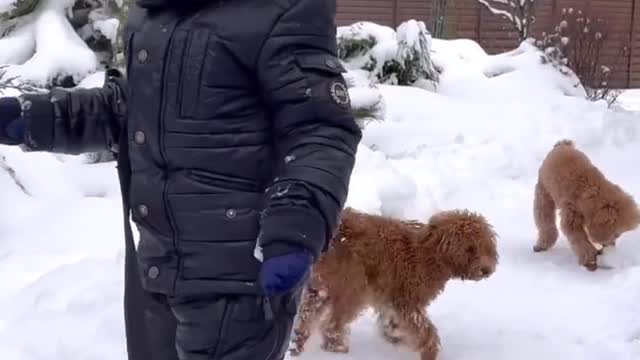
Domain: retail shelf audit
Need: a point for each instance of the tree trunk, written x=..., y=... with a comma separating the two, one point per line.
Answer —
x=451, y=21
x=439, y=17
x=119, y=60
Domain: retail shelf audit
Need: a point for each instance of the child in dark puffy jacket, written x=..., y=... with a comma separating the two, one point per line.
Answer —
x=235, y=145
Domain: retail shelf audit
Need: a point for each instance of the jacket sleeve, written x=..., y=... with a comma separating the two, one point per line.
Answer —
x=316, y=137
x=78, y=121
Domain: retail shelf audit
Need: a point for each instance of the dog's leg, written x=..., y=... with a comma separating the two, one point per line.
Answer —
x=313, y=304
x=544, y=213
x=342, y=311
x=419, y=332
x=572, y=225
x=599, y=247
x=389, y=327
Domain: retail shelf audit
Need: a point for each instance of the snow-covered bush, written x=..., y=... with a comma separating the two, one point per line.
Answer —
x=400, y=57
x=577, y=43
x=57, y=42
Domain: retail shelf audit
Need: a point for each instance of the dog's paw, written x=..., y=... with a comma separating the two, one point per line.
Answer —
x=393, y=340
x=539, y=248
x=335, y=347
x=389, y=328
x=428, y=356
x=589, y=260
x=591, y=265
x=294, y=351
x=298, y=340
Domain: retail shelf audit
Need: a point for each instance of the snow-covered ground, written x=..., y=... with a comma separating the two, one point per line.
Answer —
x=476, y=144
x=630, y=99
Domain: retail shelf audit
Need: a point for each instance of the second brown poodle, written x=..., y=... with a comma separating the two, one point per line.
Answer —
x=593, y=210
x=396, y=267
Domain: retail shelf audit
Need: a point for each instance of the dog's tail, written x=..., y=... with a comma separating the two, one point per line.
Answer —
x=564, y=142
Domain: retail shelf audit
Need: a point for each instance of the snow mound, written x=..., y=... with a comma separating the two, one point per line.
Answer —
x=465, y=62
x=79, y=312
x=392, y=193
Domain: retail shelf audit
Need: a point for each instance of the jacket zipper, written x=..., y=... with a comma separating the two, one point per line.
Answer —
x=163, y=154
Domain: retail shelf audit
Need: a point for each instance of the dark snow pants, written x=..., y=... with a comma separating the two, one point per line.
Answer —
x=205, y=327
x=219, y=327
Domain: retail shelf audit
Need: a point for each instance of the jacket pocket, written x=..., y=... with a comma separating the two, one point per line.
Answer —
x=319, y=62
x=326, y=89
x=191, y=72
x=223, y=182
x=213, y=82
x=219, y=261
x=217, y=217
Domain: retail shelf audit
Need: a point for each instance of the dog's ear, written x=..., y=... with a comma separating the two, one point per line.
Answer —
x=436, y=224
x=436, y=220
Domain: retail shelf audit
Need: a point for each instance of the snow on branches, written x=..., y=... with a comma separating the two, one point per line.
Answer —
x=396, y=57
x=56, y=42
x=519, y=13
x=376, y=54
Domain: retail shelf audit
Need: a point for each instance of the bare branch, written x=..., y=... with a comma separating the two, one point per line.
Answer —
x=519, y=13
x=505, y=14
x=12, y=83
x=577, y=42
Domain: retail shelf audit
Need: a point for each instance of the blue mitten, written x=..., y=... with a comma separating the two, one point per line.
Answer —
x=283, y=273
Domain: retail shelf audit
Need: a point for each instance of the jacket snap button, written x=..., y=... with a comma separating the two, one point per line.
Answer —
x=143, y=210
x=153, y=272
x=231, y=213
x=143, y=55
x=139, y=137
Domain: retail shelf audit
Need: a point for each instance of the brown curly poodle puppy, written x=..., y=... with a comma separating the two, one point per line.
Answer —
x=593, y=210
x=398, y=268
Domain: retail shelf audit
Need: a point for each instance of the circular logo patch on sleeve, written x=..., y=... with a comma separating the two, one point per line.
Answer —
x=339, y=93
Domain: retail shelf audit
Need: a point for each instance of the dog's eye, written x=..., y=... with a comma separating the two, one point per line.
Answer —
x=471, y=249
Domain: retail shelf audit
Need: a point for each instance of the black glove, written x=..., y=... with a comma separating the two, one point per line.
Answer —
x=11, y=123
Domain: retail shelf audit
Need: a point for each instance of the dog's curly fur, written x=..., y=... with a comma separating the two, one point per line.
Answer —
x=593, y=210
x=398, y=268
